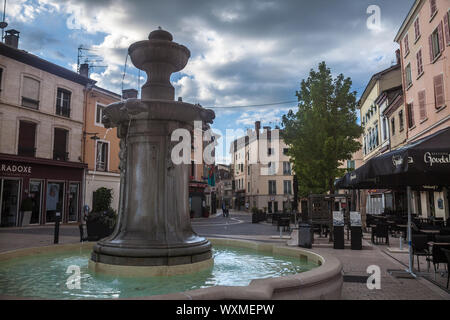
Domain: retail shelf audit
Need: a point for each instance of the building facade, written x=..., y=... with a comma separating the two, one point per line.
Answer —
x=41, y=134
x=100, y=147
x=263, y=177
x=376, y=137
x=424, y=39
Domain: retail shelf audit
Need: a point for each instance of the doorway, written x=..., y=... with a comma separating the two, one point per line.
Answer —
x=9, y=199
x=36, y=197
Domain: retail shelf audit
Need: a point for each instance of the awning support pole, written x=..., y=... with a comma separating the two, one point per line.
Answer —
x=410, y=265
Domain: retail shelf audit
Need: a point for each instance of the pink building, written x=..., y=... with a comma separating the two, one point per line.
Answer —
x=424, y=39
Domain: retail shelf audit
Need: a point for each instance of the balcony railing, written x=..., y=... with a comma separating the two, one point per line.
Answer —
x=101, y=166
x=26, y=151
x=60, y=155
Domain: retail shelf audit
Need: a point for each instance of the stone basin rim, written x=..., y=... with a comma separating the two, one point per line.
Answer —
x=323, y=282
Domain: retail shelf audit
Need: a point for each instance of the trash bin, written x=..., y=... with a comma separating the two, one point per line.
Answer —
x=338, y=236
x=305, y=235
x=356, y=238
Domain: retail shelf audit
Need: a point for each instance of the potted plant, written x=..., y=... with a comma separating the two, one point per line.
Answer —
x=102, y=219
x=26, y=207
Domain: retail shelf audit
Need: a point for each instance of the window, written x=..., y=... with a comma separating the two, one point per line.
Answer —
x=270, y=151
x=272, y=187
x=422, y=105
x=248, y=186
x=436, y=42
x=410, y=109
x=350, y=164
x=416, y=29
x=439, y=95
x=408, y=75
x=376, y=135
x=27, y=138
x=272, y=168
x=101, y=163
x=393, y=125
x=1, y=74
x=248, y=170
x=406, y=44
x=99, y=115
x=447, y=26
x=433, y=7
x=60, y=144
x=400, y=120
x=55, y=200
x=287, y=187
x=419, y=62
x=385, y=136
x=30, y=93
x=285, y=151
x=286, y=168
x=63, y=103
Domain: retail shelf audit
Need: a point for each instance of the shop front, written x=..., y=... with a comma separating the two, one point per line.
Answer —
x=53, y=187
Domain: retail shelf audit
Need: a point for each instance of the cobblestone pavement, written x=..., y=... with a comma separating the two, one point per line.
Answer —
x=239, y=225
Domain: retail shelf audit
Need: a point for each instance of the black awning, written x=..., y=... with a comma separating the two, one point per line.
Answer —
x=423, y=162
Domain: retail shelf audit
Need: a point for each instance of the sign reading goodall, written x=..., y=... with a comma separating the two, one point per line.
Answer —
x=12, y=168
x=436, y=157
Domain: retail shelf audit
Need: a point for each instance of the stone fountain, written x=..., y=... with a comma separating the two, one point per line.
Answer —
x=153, y=228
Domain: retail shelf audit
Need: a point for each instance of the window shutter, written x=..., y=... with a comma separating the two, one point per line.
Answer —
x=432, y=7
x=406, y=45
x=439, y=91
x=27, y=134
x=422, y=105
x=30, y=88
x=419, y=62
x=416, y=29
x=411, y=114
x=430, y=43
x=441, y=36
x=447, y=28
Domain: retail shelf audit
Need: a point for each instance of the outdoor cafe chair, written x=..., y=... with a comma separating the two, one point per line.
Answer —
x=447, y=254
x=420, y=248
x=381, y=231
x=438, y=256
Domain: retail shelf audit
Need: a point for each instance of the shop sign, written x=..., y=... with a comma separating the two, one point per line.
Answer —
x=436, y=158
x=14, y=169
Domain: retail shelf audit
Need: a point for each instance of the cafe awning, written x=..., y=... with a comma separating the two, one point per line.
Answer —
x=425, y=162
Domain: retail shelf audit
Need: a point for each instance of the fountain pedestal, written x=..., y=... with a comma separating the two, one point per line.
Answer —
x=154, y=228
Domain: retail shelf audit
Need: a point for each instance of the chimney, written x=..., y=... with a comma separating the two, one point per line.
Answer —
x=397, y=55
x=84, y=70
x=257, y=128
x=129, y=94
x=12, y=38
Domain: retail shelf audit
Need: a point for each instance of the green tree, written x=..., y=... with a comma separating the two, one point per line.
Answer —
x=323, y=133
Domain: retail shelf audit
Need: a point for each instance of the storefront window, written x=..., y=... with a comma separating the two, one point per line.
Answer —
x=9, y=202
x=35, y=195
x=54, y=201
x=73, y=201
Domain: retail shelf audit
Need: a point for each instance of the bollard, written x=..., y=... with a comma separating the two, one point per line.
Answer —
x=56, y=234
x=401, y=243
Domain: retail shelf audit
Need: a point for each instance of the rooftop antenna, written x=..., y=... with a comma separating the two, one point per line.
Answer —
x=84, y=54
x=3, y=23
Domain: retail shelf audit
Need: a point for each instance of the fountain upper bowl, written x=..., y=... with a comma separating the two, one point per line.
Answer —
x=146, y=53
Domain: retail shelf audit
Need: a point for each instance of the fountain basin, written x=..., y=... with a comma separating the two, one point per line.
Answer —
x=321, y=277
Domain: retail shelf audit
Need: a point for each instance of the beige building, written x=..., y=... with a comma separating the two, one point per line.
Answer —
x=262, y=172
x=41, y=133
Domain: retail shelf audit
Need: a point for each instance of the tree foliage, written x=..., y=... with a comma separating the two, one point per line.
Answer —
x=323, y=133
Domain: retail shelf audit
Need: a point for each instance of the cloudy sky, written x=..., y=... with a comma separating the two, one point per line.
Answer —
x=243, y=52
